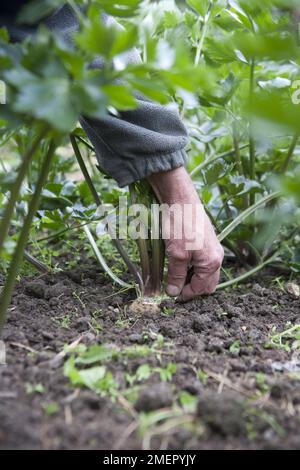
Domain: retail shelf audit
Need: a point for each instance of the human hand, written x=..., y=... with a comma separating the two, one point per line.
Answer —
x=198, y=248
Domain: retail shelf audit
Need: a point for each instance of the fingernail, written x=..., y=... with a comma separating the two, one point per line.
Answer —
x=173, y=291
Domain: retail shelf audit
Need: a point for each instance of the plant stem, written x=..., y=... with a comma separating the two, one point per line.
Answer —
x=143, y=251
x=36, y=263
x=246, y=275
x=23, y=237
x=116, y=242
x=237, y=153
x=207, y=162
x=8, y=137
x=145, y=263
x=31, y=259
x=85, y=171
x=228, y=243
x=201, y=42
x=59, y=233
x=225, y=202
x=251, y=134
x=243, y=216
x=102, y=261
x=8, y=213
x=2, y=165
x=240, y=163
x=157, y=253
x=84, y=142
x=290, y=153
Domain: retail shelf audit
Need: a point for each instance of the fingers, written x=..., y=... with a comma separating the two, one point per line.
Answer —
x=177, y=271
x=200, y=285
x=206, y=274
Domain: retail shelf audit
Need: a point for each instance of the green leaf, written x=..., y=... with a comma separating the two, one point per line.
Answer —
x=275, y=83
x=289, y=184
x=35, y=10
x=87, y=377
x=96, y=38
x=96, y=353
x=152, y=89
x=51, y=409
x=201, y=6
x=143, y=372
x=120, y=97
x=188, y=402
x=4, y=35
x=220, y=51
x=240, y=15
x=217, y=6
x=49, y=99
x=275, y=46
x=167, y=373
x=235, y=347
x=171, y=19
x=125, y=40
x=122, y=8
x=34, y=388
x=277, y=109
x=215, y=172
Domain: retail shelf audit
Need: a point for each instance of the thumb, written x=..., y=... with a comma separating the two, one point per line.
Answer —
x=177, y=272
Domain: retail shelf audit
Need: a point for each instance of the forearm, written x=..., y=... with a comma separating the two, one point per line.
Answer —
x=174, y=186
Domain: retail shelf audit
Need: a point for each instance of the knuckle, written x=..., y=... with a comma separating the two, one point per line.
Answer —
x=216, y=259
x=177, y=254
x=182, y=256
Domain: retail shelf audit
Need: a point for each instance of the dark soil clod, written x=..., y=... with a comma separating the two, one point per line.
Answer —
x=217, y=344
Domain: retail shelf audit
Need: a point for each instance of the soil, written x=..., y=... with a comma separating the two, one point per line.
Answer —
x=246, y=397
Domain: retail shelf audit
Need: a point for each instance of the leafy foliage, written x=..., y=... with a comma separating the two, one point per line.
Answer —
x=231, y=65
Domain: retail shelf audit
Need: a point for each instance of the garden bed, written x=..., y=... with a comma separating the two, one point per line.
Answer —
x=207, y=381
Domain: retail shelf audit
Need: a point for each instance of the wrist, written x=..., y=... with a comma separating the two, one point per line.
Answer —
x=173, y=186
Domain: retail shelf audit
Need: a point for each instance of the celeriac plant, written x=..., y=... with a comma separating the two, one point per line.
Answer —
x=49, y=85
x=229, y=64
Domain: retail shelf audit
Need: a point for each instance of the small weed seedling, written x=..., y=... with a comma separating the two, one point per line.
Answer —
x=34, y=388
x=168, y=311
x=63, y=322
x=202, y=376
x=51, y=409
x=235, y=348
x=262, y=383
x=289, y=339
